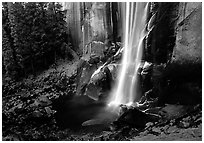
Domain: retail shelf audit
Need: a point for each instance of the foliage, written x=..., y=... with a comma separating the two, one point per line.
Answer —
x=27, y=111
x=33, y=34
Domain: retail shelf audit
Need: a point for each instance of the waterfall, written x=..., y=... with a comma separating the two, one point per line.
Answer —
x=125, y=89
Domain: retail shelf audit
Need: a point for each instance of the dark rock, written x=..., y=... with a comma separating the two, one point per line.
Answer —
x=94, y=59
x=156, y=130
x=170, y=112
x=113, y=68
x=188, y=49
x=11, y=138
x=99, y=84
x=154, y=110
x=37, y=114
x=184, y=124
x=146, y=105
x=172, y=129
x=94, y=47
x=48, y=111
x=149, y=124
x=44, y=101
x=41, y=101
x=15, y=108
x=135, y=118
x=72, y=112
x=84, y=73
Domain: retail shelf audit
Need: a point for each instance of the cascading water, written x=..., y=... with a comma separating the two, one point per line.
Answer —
x=124, y=91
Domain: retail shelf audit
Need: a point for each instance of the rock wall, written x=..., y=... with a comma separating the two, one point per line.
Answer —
x=186, y=60
x=90, y=25
x=188, y=47
x=176, y=38
x=175, y=44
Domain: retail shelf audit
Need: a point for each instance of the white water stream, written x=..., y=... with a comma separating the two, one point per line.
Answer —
x=125, y=90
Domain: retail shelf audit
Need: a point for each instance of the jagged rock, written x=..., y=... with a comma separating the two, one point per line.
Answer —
x=135, y=118
x=144, y=133
x=149, y=124
x=12, y=138
x=112, y=50
x=156, y=130
x=15, y=108
x=94, y=59
x=94, y=47
x=170, y=112
x=41, y=101
x=113, y=70
x=172, y=129
x=97, y=138
x=37, y=114
x=148, y=104
x=49, y=111
x=99, y=84
x=165, y=128
x=44, y=101
x=184, y=124
x=84, y=73
x=154, y=110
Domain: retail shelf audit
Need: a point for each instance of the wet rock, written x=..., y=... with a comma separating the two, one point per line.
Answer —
x=44, y=101
x=97, y=138
x=185, y=122
x=48, y=111
x=113, y=70
x=16, y=108
x=148, y=104
x=41, y=101
x=99, y=84
x=94, y=59
x=144, y=133
x=170, y=112
x=94, y=47
x=135, y=118
x=154, y=110
x=165, y=128
x=11, y=138
x=84, y=73
x=172, y=129
x=112, y=50
x=149, y=124
x=156, y=130
x=37, y=114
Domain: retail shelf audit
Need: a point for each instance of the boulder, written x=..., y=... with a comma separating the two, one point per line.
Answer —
x=99, y=84
x=170, y=112
x=84, y=73
x=135, y=118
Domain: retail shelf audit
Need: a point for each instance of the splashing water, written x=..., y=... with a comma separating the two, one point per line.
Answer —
x=125, y=90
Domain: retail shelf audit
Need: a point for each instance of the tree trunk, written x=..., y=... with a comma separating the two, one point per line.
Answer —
x=108, y=22
x=115, y=20
x=8, y=33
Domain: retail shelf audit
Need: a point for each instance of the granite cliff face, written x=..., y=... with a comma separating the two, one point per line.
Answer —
x=92, y=25
x=188, y=47
x=174, y=41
